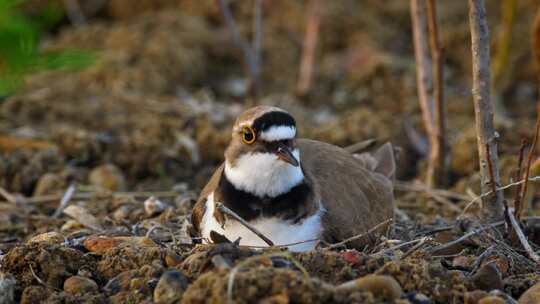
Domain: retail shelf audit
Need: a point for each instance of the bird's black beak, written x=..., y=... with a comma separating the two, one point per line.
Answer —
x=284, y=153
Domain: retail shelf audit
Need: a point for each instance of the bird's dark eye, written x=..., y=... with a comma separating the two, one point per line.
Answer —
x=248, y=135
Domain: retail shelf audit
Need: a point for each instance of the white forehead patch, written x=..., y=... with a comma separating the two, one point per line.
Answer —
x=278, y=133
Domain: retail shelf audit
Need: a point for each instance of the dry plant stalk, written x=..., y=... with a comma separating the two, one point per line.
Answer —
x=437, y=168
x=519, y=173
x=522, y=238
x=536, y=53
x=308, y=48
x=493, y=207
x=429, y=74
x=223, y=209
x=251, y=52
x=499, y=65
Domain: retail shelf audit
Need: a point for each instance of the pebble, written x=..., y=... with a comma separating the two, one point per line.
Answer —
x=49, y=183
x=47, y=237
x=107, y=177
x=472, y=297
x=34, y=294
x=491, y=300
x=379, y=285
x=100, y=244
x=531, y=296
x=78, y=285
x=171, y=287
x=351, y=256
x=7, y=288
x=153, y=206
x=488, y=278
x=172, y=259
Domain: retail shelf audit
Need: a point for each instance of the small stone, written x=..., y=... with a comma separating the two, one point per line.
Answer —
x=71, y=225
x=462, y=261
x=153, y=206
x=100, y=244
x=7, y=288
x=107, y=177
x=34, y=294
x=172, y=259
x=49, y=183
x=491, y=300
x=418, y=298
x=120, y=282
x=171, y=287
x=488, y=278
x=472, y=297
x=351, y=256
x=47, y=237
x=531, y=296
x=78, y=285
x=122, y=213
x=381, y=286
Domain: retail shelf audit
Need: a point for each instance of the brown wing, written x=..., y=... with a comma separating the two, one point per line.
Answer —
x=200, y=207
x=357, y=193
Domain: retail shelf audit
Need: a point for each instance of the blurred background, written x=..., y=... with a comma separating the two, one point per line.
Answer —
x=141, y=95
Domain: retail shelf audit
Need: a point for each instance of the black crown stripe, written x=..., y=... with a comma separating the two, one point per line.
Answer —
x=275, y=118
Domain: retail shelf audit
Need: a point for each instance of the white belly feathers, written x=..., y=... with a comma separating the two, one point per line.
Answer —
x=281, y=232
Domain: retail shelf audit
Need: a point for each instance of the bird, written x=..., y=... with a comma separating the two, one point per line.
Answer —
x=296, y=192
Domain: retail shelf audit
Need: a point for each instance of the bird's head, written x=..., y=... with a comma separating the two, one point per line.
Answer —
x=262, y=157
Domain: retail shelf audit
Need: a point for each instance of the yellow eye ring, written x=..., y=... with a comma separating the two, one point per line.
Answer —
x=248, y=135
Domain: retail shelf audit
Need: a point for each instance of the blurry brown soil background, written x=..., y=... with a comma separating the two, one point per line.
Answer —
x=129, y=141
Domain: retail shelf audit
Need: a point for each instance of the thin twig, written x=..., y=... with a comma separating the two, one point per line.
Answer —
x=68, y=195
x=436, y=169
x=523, y=239
x=280, y=246
x=308, y=49
x=529, y=162
x=493, y=184
x=421, y=243
x=493, y=208
x=536, y=41
x=40, y=281
x=88, y=195
x=424, y=81
x=8, y=196
x=250, y=57
x=490, y=170
x=418, y=187
x=518, y=198
x=257, y=30
x=476, y=199
x=467, y=236
x=396, y=247
x=359, y=236
x=480, y=259
x=222, y=208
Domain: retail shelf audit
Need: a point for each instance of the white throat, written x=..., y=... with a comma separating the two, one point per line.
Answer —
x=263, y=174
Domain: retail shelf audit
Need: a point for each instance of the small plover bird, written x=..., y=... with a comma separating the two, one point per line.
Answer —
x=294, y=190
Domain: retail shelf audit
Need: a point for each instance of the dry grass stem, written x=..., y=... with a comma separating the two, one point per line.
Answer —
x=522, y=238
x=519, y=173
x=309, y=46
x=466, y=236
x=222, y=208
x=436, y=168
x=66, y=198
x=478, y=198
x=250, y=57
x=359, y=236
x=493, y=208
